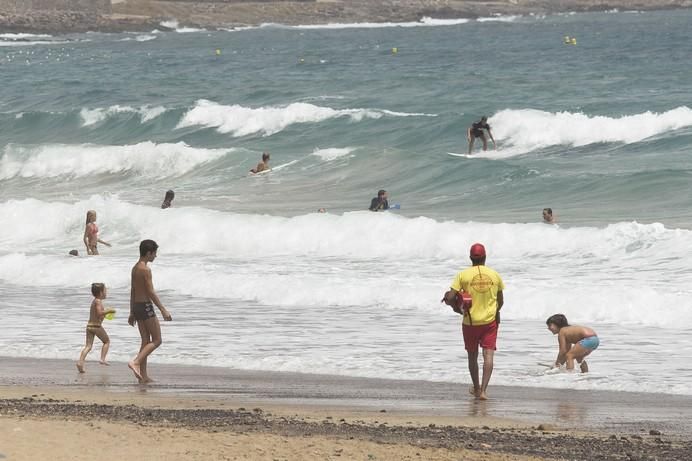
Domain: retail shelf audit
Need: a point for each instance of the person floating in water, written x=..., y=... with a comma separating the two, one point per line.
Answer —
x=575, y=342
x=263, y=165
x=380, y=202
x=91, y=234
x=170, y=195
x=548, y=217
x=478, y=130
x=94, y=327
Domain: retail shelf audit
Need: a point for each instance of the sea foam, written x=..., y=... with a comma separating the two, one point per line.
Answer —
x=528, y=129
x=146, y=158
x=243, y=121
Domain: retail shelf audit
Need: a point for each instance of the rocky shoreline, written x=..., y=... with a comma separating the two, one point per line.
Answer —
x=541, y=442
x=146, y=15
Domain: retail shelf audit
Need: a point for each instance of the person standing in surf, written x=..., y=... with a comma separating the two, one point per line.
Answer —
x=263, y=165
x=480, y=319
x=380, y=202
x=91, y=234
x=478, y=130
x=142, y=295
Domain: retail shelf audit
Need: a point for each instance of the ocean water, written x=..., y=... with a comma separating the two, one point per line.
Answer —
x=255, y=279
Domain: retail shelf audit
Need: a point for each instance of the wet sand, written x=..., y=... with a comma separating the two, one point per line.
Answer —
x=302, y=416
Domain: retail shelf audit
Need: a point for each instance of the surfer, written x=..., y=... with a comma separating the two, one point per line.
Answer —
x=263, y=165
x=478, y=130
x=91, y=234
x=380, y=202
x=170, y=195
x=481, y=317
x=575, y=342
x=142, y=295
x=548, y=217
x=94, y=327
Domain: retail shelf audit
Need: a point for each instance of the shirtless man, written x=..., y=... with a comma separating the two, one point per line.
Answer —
x=575, y=342
x=263, y=165
x=478, y=130
x=142, y=295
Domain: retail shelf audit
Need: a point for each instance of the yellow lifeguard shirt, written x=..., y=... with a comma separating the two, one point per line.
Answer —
x=483, y=283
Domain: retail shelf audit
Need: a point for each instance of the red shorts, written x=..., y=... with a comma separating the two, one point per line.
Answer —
x=485, y=335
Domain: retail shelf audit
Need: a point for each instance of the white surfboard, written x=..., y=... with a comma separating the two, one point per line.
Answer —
x=453, y=154
x=276, y=168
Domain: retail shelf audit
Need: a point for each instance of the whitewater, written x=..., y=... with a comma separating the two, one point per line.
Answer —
x=256, y=279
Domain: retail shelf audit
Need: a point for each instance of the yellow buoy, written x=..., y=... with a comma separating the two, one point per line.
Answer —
x=573, y=41
x=218, y=52
x=395, y=50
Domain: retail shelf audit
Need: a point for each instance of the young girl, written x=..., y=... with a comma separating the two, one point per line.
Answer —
x=91, y=234
x=94, y=327
x=575, y=342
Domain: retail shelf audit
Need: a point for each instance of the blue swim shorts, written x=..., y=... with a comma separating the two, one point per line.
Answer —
x=590, y=343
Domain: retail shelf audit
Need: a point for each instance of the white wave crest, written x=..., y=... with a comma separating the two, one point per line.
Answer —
x=424, y=22
x=333, y=153
x=508, y=18
x=94, y=116
x=139, y=38
x=147, y=158
x=243, y=121
x=529, y=129
x=175, y=25
x=23, y=36
x=623, y=273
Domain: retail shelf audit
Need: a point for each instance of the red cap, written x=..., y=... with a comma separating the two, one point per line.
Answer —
x=477, y=251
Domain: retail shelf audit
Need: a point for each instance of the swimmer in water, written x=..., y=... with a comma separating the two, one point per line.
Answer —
x=263, y=165
x=170, y=195
x=91, y=234
x=380, y=202
x=548, y=217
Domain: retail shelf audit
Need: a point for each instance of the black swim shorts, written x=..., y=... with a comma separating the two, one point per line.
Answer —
x=143, y=311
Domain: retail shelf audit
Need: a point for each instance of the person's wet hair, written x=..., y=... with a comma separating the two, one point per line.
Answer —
x=381, y=192
x=484, y=118
x=265, y=156
x=147, y=246
x=170, y=195
x=90, y=213
x=559, y=320
x=97, y=289
x=73, y=253
x=548, y=210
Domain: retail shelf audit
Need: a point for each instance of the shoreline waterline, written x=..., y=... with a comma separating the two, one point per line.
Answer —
x=568, y=409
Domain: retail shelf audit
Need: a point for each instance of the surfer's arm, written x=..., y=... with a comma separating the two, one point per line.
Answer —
x=490, y=133
x=104, y=242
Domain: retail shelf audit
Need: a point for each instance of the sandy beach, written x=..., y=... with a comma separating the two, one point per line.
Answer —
x=216, y=413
